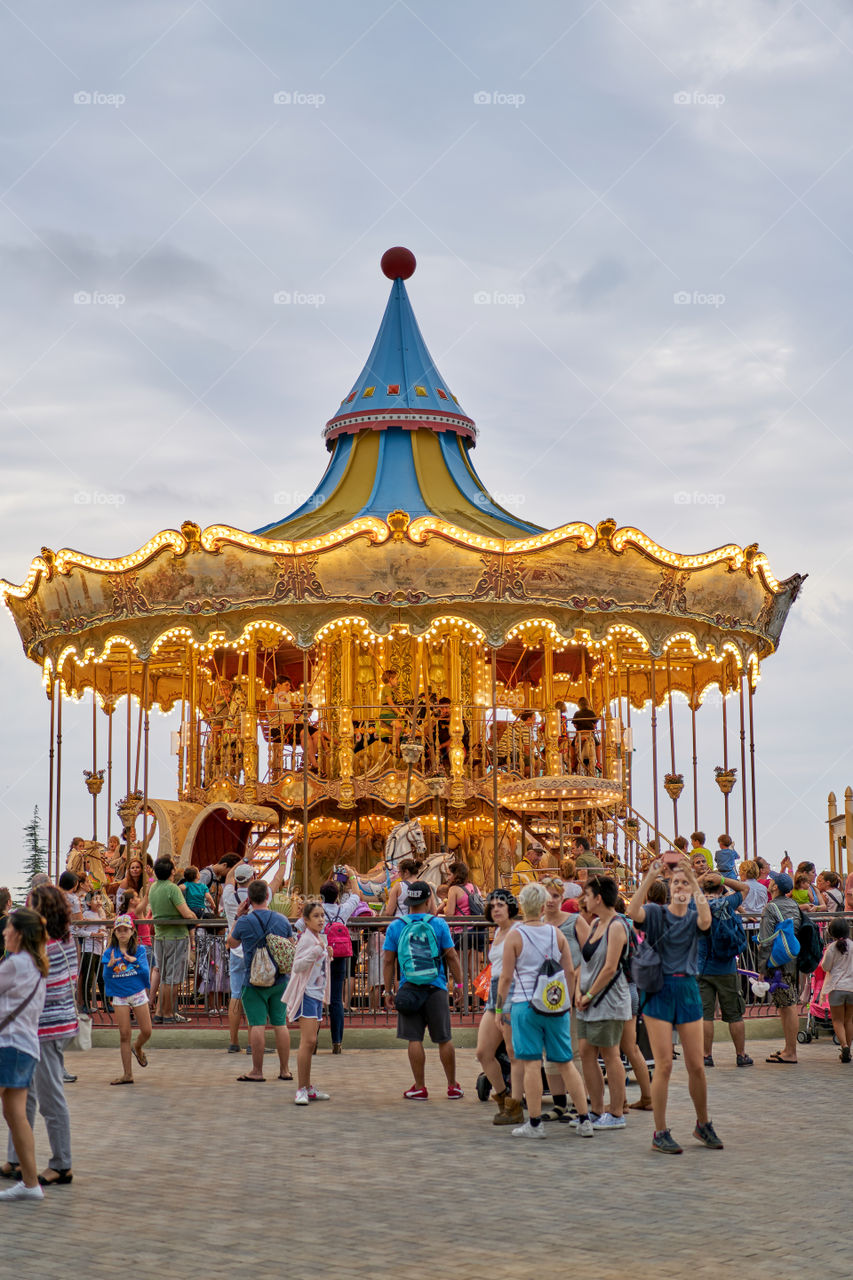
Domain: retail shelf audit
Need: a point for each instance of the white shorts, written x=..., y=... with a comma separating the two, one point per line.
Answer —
x=134, y=1001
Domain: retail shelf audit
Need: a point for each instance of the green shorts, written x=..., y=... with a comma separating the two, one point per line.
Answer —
x=603, y=1033
x=726, y=988
x=264, y=1004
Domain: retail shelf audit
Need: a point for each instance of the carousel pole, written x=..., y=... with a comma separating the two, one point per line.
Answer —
x=110, y=709
x=58, y=769
x=50, y=754
x=94, y=748
x=552, y=715
x=193, y=769
x=725, y=748
x=655, y=751
x=743, y=768
x=695, y=756
x=304, y=771
x=139, y=725
x=671, y=737
x=752, y=771
x=182, y=733
x=129, y=721
x=495, y=836
x=145, y=701
x=250, y=737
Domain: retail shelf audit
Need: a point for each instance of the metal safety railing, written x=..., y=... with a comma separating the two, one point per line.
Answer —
x=204, y=995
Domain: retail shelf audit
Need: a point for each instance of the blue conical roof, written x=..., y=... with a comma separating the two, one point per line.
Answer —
x=399, y=386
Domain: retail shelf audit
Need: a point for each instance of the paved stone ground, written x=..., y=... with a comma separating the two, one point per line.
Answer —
x=190, y=1175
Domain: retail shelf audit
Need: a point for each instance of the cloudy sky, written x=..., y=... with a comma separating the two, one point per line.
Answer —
x=655, y=198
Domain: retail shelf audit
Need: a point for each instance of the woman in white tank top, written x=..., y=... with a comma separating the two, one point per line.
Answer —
x=501, y=910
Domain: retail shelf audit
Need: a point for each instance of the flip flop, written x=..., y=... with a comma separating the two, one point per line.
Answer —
x=122, y=1081
x=784, y=1062
x=139, y=1055
x=281, y=1077
x=252, y=1079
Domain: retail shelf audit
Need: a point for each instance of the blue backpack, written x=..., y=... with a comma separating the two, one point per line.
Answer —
x=785, y=946
x=418, y=952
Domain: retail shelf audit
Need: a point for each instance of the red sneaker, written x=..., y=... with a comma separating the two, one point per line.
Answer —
x=455, y=1091
x=415, y=1094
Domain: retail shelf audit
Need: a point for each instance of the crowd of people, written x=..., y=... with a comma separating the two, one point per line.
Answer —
x=572, y=967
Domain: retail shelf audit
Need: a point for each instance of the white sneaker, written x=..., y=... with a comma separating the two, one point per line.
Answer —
x=586, y=1130
x=301, y=1098
x=22, y=1192
x=593, y=1115
x=527, y=1130
x=609, y=1121
x=316, y=1095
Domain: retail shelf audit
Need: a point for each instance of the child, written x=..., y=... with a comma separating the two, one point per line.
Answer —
x=126, y=979
x=196, y=894
x=837, y=963
x=801, y=892
x=306, y=992
x=140, y=913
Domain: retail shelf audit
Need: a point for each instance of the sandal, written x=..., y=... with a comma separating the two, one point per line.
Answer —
x=287, y=1077
x=10, y=1170
x=785, y=1062
x=122, y=1080
x=252, y=1079
x=63, y=1177
x=139, y=1055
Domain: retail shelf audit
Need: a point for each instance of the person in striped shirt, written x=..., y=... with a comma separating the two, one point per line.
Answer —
x=57, y=1023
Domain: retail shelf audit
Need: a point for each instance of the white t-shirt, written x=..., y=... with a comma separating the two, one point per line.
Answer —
x=232, y=896
x=316, y=987
x=18, y=976
x=335, y=912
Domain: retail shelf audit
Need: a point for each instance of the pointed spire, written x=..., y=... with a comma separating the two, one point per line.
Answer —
x=400, y=385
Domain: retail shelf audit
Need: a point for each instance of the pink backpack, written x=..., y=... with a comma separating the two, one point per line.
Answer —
x=338, y=938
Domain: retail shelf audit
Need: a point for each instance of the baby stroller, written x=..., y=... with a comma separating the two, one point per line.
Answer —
x=818, y=1017
x=484, y=1087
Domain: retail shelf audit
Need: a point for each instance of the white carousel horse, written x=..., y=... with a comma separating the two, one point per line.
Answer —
x=406, y=840
x=585, y=746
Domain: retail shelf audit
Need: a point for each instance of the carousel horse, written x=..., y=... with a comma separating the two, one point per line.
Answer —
x=88, y=859
x=585, y=749
x=406, y=840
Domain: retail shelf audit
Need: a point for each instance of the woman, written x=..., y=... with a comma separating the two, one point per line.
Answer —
x=763, y=872
x=134, y=882
x=458, y=903
x=126, y=981
x=837, y=963
x=829, y=884
x=395, y=907
x=339, y=903
x=806, y=893
x=756, y=896
x=501, y=911
x=305, y=994
x=673, y=932
x=57, y=1023
x=602, y=1000
x=566, y=922
x=529, y=944
x=22, y=995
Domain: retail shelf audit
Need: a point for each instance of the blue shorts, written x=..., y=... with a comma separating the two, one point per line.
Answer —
x=236, y=974
x=492, y=1002
x=16, y=1068
x=677, y=1001
x=536, y=1033
x=310, y=1008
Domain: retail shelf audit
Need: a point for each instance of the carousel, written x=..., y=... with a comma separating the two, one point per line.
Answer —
x=401, y=663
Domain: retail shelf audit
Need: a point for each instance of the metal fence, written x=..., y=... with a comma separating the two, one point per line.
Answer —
x=203, y=997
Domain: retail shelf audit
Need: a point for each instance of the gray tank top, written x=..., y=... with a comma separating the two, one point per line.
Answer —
x=616, y=1002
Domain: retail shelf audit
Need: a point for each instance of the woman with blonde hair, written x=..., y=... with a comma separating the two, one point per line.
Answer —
x=22, y=993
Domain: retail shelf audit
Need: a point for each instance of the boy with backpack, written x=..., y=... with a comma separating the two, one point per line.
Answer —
x=717, y=959
x=422, y=946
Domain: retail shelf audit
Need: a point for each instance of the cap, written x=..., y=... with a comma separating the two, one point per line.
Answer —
x=243, y=872
x=123, y=922
x=417, y=892
x=783, y=882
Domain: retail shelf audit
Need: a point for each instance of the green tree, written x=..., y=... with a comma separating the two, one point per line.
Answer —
x=36, y=855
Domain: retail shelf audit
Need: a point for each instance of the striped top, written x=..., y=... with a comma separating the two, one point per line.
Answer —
x=59, y=1016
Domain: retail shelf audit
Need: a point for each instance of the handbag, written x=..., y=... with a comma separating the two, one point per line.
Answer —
x=647, y=968
x=411, y=997
x=10, y=1017
x=784, y=944
x=82, y=1038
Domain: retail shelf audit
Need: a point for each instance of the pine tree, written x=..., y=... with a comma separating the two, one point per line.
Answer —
x=36, y=857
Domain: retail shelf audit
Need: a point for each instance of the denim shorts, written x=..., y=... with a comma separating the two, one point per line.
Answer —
x=492, y=1002
x=311, y=1007
x=236, y=974
x=16, y=1068
x=677, y=1001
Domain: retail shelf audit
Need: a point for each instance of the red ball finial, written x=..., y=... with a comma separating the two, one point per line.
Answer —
x=398, y=263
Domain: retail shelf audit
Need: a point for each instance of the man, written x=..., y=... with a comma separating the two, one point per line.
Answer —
x=171, y=941
x=697, y=840
x=583, y=855
x=253, y=922
x=235, y=893
x=584, y=721
x=727, y=857
x=525, y=869
x=784, y=996
x=718, y=978
x=404, y=941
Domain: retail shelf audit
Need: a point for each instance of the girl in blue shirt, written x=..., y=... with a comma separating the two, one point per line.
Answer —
x=126, y=980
